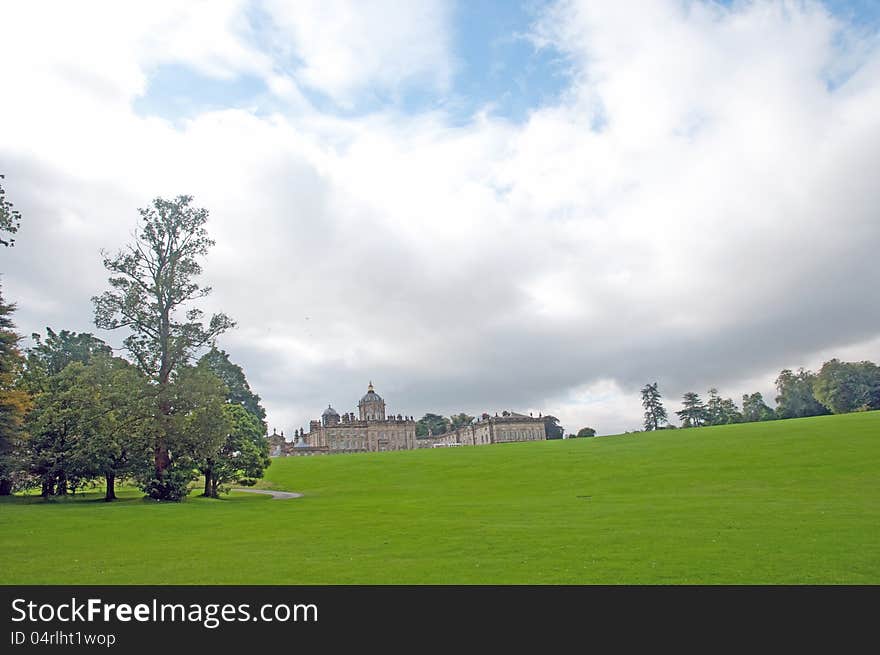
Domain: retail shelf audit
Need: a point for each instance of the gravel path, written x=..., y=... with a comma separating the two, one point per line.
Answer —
x=279, y=495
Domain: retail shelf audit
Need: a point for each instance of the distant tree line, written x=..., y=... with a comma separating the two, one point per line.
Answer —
x=838, y=388
x=72, y=412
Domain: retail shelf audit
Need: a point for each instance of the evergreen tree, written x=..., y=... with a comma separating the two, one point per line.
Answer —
x=14, y=403
x=432, y=425
x=755, y=409
x=552, y=428
x=655, y=413
x=693, y=412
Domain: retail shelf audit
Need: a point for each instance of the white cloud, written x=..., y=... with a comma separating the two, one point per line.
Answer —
x=716, y=225
x=372, y=48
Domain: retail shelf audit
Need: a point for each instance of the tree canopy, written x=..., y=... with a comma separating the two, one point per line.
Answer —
x=552, y=428
x=755, y=409
x=14, y=402
x=795, y=397
x=153, y=294
x=238, y=391
x=432, y=424
x=10, y=218
x=693, y=411
x=848, y=386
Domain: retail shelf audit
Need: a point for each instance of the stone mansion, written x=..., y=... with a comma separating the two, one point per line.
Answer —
x=373, y=431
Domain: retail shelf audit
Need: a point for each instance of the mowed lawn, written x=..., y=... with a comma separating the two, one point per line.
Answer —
x=794, y=501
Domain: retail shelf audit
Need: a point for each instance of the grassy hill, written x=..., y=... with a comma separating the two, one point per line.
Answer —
x=793, y=501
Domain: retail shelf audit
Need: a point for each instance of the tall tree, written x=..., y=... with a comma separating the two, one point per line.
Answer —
x=848, y=386
x=10, y=218
x=195, y=429
x=14, y=402
x=655, y=413
x=755, y=409
x=714, y=411
x=238, y=390
x=795, y=397
x=552, y=428
x=153, y=291
x=721, y=411
x=693, y=411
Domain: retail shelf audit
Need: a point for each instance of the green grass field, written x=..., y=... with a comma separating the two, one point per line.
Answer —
x=793, y=501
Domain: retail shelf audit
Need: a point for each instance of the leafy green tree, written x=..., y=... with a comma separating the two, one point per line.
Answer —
x=14, y=403
x=586, y=432
x=152, y=295
x=55, y=425
x=730, y=413
x=238, y=390
x=243, y=454
x=460, y=420
x=193, y=430
x=552, y=428
x=721, y=411
x=693, y=412
x=115, y=402
x=432, y=424
x=755, y=409
x=10, y=218
x=795, y=397
x=655, y=413
x=50, y=356
x=848, y=386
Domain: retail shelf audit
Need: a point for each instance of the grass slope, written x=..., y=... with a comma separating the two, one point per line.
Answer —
x=793, y=501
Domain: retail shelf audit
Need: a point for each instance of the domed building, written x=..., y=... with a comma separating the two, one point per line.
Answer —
x=371, y=406
x=330, y=417
x=370, y=431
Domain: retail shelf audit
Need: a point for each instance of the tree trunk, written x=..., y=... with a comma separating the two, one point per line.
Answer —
x=46, y=488
x=111, y=487
x=214, y=482
x=207, y=483
x=5, y=487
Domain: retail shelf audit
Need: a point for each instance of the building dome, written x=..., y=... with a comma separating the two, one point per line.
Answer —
x=330, y=417
x=371, y=406
x=371, y=396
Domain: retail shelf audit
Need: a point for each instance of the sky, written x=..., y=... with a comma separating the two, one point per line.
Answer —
x=536, y=206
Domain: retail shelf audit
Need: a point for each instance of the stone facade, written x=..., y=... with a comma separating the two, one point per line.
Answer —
x=372, y=431
x=508, y=427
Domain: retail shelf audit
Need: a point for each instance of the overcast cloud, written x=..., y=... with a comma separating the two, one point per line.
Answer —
x=698, y=205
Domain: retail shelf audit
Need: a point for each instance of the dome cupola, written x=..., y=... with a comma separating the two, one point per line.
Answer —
x=371, y=407
x=330, y=416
